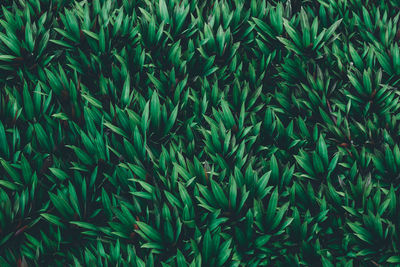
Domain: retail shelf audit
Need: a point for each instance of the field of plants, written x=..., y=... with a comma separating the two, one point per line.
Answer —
x=199, y=133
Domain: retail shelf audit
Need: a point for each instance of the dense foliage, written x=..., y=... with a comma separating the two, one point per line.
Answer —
x=199, y=133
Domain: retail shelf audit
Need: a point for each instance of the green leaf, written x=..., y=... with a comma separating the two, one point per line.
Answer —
x=8, y=185
x=394, y=259
x=356, y=58
x=274, y=169
x=7, y=58
x=10, y=170
x=149, y=231
x=171, y=121
x=3, y=142
x=322, y=150
x=332, y=29
x=60, y=174
x=52, y=219
x=292, y=33
x=219, y=194
x=271, y=210
x=115, y=129
x=164, y=11
x=29, y=38
x=28, y=104
x=227, y=114
x=207, y=245
x=126, y=92
x=93, y=101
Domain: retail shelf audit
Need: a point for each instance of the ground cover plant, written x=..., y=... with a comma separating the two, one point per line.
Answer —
x=199, y=133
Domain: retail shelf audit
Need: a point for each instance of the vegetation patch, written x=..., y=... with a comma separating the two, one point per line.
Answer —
x=199, y=133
